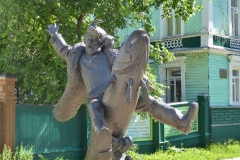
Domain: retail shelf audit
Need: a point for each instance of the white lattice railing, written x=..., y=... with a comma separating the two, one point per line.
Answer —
x=173, y=43
x=234, y=43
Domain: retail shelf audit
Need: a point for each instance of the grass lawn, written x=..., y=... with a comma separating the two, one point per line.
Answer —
x=219, y=151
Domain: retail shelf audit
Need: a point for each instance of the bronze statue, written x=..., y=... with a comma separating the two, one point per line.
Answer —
x=109, y=81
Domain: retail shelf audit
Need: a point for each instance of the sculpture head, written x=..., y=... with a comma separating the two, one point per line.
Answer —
x=94, y=38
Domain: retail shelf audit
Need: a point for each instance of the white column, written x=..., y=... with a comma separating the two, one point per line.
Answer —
x=183, y=71
x=230, y=83
x=207, y=24
x=230, y=19
x=162, y=25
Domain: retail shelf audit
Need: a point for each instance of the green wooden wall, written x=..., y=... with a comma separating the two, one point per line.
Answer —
x=156, y=17
x=194, y=24
x=196, y=75
x=203, y=76
x=220, y=17
x=155, y=69
x=155, y=20
x=124, y=33
x=36, y=127
x=218, y=87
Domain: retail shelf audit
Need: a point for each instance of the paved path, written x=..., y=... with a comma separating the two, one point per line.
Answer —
x=237, y=158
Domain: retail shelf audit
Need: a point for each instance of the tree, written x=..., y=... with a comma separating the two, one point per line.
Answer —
x=24, y=47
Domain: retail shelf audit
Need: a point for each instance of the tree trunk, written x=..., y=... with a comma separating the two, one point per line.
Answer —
x=79, y=23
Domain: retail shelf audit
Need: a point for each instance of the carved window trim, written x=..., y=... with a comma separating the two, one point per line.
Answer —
x=178, y=63
x=234, y=16
x=234, y=64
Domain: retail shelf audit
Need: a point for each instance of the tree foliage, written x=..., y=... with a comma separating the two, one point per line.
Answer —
x=24, y=43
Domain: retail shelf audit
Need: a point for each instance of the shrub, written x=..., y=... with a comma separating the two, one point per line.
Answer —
x=21, y=153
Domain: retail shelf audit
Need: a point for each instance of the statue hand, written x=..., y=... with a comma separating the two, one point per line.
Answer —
x=53, y=29
x=108, y=41
x=146, y=80
x=147, y=83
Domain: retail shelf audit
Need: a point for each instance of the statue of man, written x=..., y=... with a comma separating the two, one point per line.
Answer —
x=89, y=66
x=93, y=68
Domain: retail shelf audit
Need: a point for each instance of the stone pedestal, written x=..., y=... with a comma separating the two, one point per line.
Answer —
x=7, y=110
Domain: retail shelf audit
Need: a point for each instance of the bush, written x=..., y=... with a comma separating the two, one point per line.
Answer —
x=21, y=153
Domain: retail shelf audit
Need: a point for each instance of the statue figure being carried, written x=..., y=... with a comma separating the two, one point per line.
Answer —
x=109, y=81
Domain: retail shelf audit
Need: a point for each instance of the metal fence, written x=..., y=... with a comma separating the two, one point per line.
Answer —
x=37, y=128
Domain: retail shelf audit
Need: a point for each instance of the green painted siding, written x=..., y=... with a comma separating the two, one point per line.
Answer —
x=123, y=33
x=220, y=17
x=191, y=42
x=155, y=69
x=194, y=24
x=156, y=22
x=36, y=127
x=225, y=123
x=218, y=87
x=202, y=76
x=196, y=77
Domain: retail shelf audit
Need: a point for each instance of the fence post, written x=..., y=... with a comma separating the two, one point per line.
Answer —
x=86, y=131
x=7, y=110
x=204, y=119
x=156, y=135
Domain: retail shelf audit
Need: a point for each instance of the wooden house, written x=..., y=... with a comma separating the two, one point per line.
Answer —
x=207, y=51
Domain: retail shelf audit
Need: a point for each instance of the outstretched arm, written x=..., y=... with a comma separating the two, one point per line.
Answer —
x=57, y=41
x=53, y=29
x=108, y=43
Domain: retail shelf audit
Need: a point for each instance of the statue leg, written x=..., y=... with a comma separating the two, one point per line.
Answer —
x=169, y=115
x=103, y=134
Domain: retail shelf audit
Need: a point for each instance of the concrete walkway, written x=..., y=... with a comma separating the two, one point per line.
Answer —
x=237, y=158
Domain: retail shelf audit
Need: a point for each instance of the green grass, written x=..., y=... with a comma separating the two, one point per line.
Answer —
x=218, y=151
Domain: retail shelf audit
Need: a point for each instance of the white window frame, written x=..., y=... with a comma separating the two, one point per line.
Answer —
x=234, y=63
x=178, y=63
x=174, y=79
x=230, y=12
x=164, y=27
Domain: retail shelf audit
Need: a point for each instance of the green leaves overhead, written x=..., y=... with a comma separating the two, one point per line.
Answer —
x=24, y=43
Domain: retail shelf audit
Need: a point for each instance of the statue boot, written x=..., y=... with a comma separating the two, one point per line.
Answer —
x=120, y=146
x=167, y=114
x=173, y=117
x=103, y=134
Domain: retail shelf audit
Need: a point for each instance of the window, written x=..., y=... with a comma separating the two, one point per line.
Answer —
x=173, y=93
x=172, y=74
x=173, y=24
x=235, y=86
x=234, y=80
x=235, y=17
x=173, y=27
